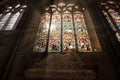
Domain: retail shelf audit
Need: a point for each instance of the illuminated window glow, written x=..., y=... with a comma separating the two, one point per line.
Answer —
x=115, y=15
x=10, y=17
x=62, y=31
x=40, y=43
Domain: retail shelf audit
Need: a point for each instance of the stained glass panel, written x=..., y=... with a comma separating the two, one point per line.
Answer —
x=4, y=19
x=118, y=36
x=68, y=33
x=12, y=21
x=55, y=34
x=109, y=21
x=83, y=41
x=115, y=16
x=42, y=34
x=63, y=35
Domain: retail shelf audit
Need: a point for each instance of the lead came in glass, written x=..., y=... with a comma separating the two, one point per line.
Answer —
x=42, y=34
x=83, y=41
x=55, y=34
x=68, y=33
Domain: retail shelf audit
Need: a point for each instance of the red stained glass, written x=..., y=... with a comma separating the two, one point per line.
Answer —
x=65, y=34
x=55, y=34
x=40, y=43
x=81, y=33
x=68, y=33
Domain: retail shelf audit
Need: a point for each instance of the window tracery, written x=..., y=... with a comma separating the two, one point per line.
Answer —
x=10, y=16
x=66, y=30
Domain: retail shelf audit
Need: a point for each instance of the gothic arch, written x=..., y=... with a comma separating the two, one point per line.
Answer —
x=80, y=40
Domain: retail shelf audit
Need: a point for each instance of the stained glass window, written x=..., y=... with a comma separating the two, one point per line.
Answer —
x=68, y=32
x=55, y=34
x=109, y=21
x=115, y=15
x=10, y=16
x=4, y=20
x=110, y=11
x=81, y=32
x=64, y=30
x=42, y=34
x=12, y=21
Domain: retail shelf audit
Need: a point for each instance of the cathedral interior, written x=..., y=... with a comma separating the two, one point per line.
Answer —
x=60, y=40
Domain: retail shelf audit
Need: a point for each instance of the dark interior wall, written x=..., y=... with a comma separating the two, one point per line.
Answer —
x=7, y=42
x=91, y=32
x=10, y=42
x=24, y=50
x=106, y=35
